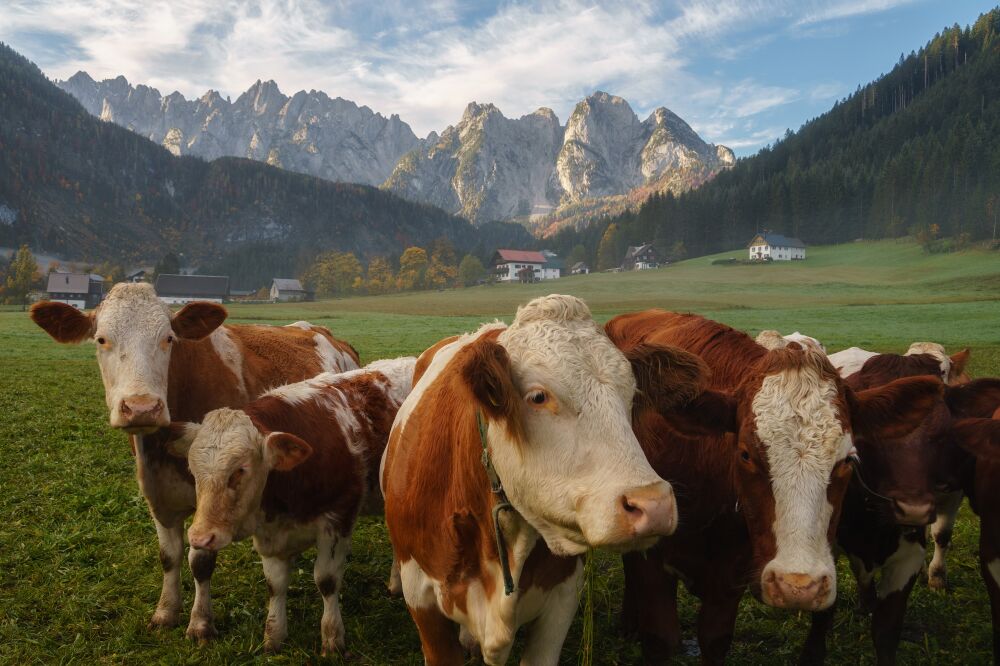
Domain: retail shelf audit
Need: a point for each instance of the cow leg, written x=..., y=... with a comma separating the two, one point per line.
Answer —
x=548, y=632
x=169, y=607
x=941, y=530
x=650, y=605
x=438, y=637
x=716, y=624
x=331, y=555
x=899, y=573
x=201, y=627
x=276, y=626
x=395, y=585
x=865, y=578
x=814, y=650
x=989, y=565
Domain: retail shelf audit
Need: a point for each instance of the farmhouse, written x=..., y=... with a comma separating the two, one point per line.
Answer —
x=81, y=290
x=180, y=289
x=525, y=266
x=769, y=246
x=287, y=289
x=641, y=257
x=580, y=268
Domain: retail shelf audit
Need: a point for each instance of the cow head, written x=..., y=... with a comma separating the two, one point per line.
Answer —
x=558, y=398
x=230, y=459
x=134, y=332
x=952, y=368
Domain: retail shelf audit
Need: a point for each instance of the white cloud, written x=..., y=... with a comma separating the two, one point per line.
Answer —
x=427, y=62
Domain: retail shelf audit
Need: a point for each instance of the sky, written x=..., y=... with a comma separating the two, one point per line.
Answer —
x=740, y=73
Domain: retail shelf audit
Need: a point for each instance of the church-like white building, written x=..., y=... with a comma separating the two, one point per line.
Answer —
x=768, y=246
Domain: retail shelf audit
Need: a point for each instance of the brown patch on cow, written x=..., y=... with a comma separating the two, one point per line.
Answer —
x=327, y=586
x=665, y=377
x=438, y=500
x=544, y=570
x=425, y=358
x=896, y=409
x=202, y=565
x=197, y=320
x=884, y=368
x=63, y=322
x=166, y=562
x=438, y=636
x=978, y=398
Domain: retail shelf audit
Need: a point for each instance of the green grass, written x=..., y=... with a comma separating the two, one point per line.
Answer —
x=79, y=574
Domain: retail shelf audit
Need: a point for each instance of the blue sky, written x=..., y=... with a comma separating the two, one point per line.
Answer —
x=739, y=72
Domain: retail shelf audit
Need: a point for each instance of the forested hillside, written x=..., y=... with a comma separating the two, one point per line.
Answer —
x=918, y=147
x=73, y=185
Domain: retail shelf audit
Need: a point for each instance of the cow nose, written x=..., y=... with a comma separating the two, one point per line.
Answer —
x=204, y=541
x=914, y=513
x=651, y=510
x=142, y=410
x=796, y=590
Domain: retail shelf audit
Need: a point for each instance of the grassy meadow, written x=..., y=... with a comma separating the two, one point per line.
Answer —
x=79, y=573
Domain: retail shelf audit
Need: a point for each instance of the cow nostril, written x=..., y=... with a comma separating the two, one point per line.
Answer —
x=629, y=506
x=125, y=409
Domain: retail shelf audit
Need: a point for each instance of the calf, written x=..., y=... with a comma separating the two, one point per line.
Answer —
x=512, y=456
x=760, y=459
x=250, y=480
x=156, y=365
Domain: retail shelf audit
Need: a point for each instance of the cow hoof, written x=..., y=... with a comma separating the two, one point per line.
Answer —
x=938, y=581
x=202, y=632
x=272, y=646
x=163, y=620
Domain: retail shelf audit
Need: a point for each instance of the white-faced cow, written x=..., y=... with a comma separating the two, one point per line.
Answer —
x=157, y=366
x=293, y=469
x=952, y=368
x=760, y=461
x=540, y=412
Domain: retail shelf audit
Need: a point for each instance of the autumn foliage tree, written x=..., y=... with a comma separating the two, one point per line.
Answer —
x=412, y=266
x=471, y=270
x=443, y=269
x=607, y=251
x=380, y=277
x=334, y=274
x=23, y=272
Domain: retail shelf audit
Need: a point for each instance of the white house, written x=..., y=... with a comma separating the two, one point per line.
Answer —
x=180, y=289
x=286, y=289
x=768, y=246
x=525, y=266
x=77, y=289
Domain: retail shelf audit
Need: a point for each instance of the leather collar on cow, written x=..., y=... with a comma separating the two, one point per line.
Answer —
x=503, y=504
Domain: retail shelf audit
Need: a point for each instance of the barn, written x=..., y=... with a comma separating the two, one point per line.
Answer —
x=81, y=290
x=287, y=289
x=180, y=289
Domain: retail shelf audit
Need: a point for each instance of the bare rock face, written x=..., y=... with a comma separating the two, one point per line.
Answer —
x=308, y=132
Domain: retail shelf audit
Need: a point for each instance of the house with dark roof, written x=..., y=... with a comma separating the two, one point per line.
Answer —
x=81, y=290
x=179, y=289
x=769, y=246
x=580, y=268
x=287, y=289
x=640, y=257
x=525, y=266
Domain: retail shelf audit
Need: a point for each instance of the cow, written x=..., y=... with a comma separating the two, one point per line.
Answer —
x=250, y=478
x=512, y=457
x=760, y=459
x=889, y=503
x=769, y=339
x=156, y=366
x=984, y=496
x=952, y=370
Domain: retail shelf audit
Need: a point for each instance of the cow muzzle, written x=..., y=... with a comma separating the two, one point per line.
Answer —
x=649, y=511
x=140, y=413
x=208, y=539
x=914, y=514
x=797, y=591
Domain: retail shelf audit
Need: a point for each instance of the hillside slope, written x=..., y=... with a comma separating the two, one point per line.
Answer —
x=73, y=185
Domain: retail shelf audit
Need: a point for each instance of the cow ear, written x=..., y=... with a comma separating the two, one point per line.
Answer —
x=958, y=362
x=63, y=322
x=710, y=413
x=665, y=377
x=180, y=436
x=895, y=409
x=487, y=372
x=980, y=437
x=771, y=340
x=977, y=398
x=285, y=451
x=196, y=320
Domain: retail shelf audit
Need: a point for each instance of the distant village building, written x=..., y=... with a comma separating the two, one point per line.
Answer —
x=769, y=246
x=179, y=289
x=138, y=275
x=525, y=266
x=580, y=268
x=81, y=290
x=640, y=257
x=287, y=289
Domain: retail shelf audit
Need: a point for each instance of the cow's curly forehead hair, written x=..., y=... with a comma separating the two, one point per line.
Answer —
x=139, y=298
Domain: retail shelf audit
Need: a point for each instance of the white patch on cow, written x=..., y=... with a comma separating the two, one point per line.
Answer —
x=947, y=513
x=935, y=350
x=418, y=587
x=231, y=356
x=803, y=440
x=862, y=574
x=849, y=361
x=994, y=568
x=332, y=359
x=554, y=611
x=299, y=392
x=901, y=567
x=304, y=325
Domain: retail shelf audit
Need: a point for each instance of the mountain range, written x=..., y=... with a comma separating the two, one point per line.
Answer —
x=486, y=167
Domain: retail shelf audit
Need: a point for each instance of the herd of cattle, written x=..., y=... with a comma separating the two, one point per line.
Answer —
x=500, y=457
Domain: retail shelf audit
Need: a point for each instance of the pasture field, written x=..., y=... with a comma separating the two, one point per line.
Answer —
x=79, y=573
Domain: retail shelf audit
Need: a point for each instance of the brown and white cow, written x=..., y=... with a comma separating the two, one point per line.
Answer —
x=760, y=463
x=952, y=368
x=553, y=397
x=984, y=496
x=250, y=477
x=157, y=366
x=890, y=501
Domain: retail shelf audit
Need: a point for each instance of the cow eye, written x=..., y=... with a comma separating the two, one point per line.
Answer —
x=537, y=397
x=170, y=338
x=745, y=455
x=101, y=340
x=235, y=478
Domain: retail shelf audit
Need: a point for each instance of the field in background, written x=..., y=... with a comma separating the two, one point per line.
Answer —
x=79, y=574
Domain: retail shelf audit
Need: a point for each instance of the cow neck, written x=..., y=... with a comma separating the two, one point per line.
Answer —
x=502, y=504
